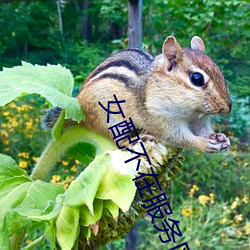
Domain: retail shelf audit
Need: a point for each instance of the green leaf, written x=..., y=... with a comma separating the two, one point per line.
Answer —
x=111, y=207
x=118, y=188
x=83, y=152
x=83, y=189
x=46, y=216
x=14, y=198
x=58, y=127
x=86, y=218
x=53, y=82
x=67, y=226
x=50, y=234
x=4, y=240
x=11, y=183
x=9, y=168
x=39, y=194
x=86, y=232
x=20, y=197
x=13, y=223
x=26, y=202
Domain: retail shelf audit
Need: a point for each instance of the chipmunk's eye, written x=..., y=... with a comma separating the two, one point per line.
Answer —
x=197, y=79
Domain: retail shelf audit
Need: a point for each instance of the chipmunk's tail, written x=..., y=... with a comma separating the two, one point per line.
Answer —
x=50, y=117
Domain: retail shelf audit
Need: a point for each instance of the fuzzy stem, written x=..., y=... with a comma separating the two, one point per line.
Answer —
x=57, y=147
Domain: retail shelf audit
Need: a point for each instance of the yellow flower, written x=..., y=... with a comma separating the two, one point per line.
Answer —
x=35, y=159
x=238, y=233
x=223, y=220
x=192, y=190
x=238, y=218
x=23, y=107
x=73, y=168
x=245, y=199
x=224, y=164
x=235, y=203
x=234, y=152
x=6, y=141
x=6, y=113
x=197, y=242
x=77, y=162
x=23, y=164
x=4, y=134
x=223, y=235
x=29, y=124
x=55, y=178
x=247, y=228
x=187, y=211
x=65, y=185
x=70, y=178
x=65, y=163
x=24, y=155
x=12, y=105
x=203, y=199
x=14, y=123
x=6, y=149
x=211, y=195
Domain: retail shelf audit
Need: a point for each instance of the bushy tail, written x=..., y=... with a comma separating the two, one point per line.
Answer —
x=50, y=118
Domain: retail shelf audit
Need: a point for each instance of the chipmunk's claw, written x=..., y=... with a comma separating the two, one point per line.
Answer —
x=218, y=142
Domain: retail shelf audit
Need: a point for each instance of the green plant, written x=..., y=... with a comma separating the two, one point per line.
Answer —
x=206, y=224
x=98, y=205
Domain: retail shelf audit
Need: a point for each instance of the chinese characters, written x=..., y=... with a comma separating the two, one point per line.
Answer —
x=157, y=206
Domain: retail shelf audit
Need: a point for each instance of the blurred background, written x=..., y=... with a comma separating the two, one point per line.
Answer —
x=210, y=197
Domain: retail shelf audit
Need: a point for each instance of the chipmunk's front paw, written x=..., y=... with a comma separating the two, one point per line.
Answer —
x=218, y=142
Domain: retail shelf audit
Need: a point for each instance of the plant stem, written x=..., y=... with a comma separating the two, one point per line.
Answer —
x=57, y=147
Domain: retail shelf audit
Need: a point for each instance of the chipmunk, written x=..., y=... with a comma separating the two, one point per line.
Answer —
x=170, y=96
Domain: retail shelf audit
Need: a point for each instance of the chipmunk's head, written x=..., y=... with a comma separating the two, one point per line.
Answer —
x=196, y=76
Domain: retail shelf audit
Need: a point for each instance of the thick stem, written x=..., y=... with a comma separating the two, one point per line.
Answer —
x=57, y=147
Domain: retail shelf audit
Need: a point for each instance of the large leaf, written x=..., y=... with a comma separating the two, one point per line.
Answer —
x=9, y=168
x=21, y=199
x=83, y=189
x=40, y=193
x=53, y=82
x=67, y=226
x=101, y=179
x=6, y=186
x=118, y=188
x=86, y=218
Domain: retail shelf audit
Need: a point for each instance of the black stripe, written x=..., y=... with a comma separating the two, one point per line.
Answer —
x=142, y=53
x=118, y=77
x=118, y=63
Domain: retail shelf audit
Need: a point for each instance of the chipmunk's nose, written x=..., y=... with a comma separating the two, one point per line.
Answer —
x=227, y=108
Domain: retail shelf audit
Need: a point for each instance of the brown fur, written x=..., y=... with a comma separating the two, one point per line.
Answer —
x=159, y=95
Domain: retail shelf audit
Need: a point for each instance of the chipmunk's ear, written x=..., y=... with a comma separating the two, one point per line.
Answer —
x=171, y=49
x=197, y=43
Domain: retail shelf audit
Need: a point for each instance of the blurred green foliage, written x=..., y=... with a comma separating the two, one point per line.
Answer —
x=30, y=32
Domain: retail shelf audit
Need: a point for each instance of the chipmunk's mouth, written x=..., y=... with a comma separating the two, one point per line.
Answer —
x=224, y=108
